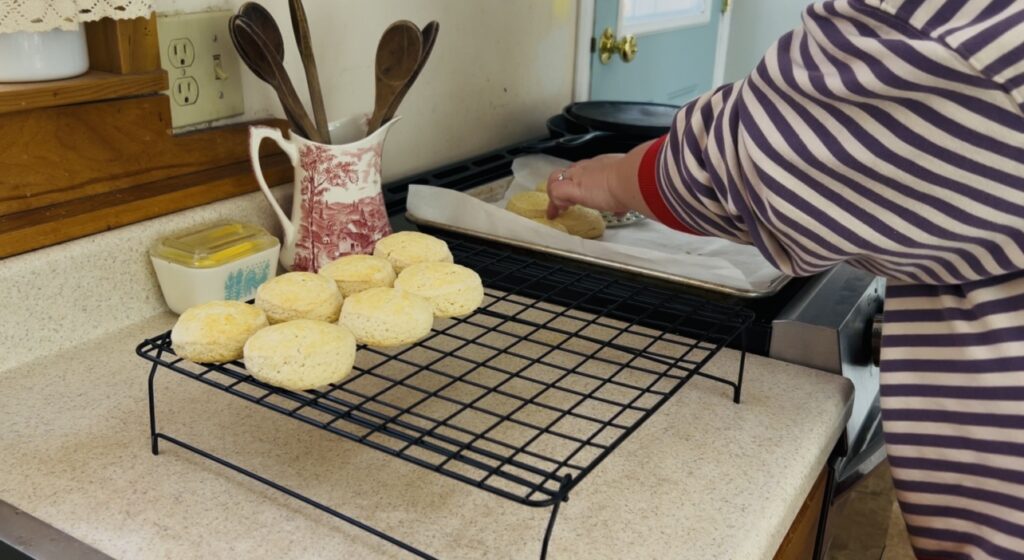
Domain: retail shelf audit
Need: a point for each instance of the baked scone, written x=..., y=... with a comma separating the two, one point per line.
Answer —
x=582, y=221
x=551, y=224
x=387, y=317
x=299, y=295
x=355, y=273
x=407, y=248
x=529, y=204
x=215, y=332
x=300, y=355
x=452, y=289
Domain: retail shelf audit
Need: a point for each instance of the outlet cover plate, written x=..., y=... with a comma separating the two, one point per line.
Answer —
x=196, y=52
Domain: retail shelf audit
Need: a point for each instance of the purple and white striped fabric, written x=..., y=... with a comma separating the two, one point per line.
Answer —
x=889, y=134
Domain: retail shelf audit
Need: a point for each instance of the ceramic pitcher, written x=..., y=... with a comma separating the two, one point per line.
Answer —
x=338, y=207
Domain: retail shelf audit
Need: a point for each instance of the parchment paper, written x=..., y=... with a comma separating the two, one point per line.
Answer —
x=649, y=244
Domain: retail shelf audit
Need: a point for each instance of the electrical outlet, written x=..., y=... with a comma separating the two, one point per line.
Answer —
x=181, y=53
x=203, y=69
x=185, y=91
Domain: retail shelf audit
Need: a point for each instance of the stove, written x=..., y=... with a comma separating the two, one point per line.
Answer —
x=830, y=321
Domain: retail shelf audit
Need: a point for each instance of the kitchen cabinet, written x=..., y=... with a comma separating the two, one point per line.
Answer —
x=800, y=540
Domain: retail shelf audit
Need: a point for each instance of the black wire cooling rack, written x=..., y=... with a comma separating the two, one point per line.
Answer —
x=523, y=398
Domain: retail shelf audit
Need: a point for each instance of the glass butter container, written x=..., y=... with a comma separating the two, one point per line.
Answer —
x=225, y=261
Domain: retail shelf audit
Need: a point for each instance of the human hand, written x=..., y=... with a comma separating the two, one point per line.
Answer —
x=591, y=183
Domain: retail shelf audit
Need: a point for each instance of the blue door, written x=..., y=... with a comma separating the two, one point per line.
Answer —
x=674, y=56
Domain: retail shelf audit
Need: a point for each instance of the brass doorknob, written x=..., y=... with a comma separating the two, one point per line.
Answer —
x=625, y=47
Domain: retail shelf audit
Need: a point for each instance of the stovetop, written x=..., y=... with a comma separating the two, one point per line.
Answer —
x=497, y=164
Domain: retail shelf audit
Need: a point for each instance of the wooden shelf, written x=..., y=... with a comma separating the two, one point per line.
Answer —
x=95, y=152
x=47, y=226
x=91, y=86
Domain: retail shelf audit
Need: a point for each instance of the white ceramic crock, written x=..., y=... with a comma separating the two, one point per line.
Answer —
x=34, y=56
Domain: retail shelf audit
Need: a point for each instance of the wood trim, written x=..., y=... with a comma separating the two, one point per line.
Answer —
x=58, y=154
x=798, y=543
x=123, y=46
x=73, y=219
x=94, y=85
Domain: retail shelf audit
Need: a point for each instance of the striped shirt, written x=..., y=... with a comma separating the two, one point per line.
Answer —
x=889, y=134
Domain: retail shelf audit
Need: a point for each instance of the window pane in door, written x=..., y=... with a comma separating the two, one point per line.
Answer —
x=644, y=13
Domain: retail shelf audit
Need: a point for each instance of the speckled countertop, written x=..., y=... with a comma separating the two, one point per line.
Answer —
x=703, y=478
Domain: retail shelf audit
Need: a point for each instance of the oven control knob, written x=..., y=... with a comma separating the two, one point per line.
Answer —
x=876, y=339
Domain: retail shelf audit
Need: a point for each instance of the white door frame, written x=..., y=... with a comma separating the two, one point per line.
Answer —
x=722, y=47
x=585, y=32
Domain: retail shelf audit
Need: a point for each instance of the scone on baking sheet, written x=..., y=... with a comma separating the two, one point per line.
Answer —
x=528, y=204
x=299, y=295
x=215, y=332
x=583, y=222
x=407, y=248
x=452, y=289
x=301, y=355
x=577, y=220
x=551, y=224
x=355, y=273
x=387, y=317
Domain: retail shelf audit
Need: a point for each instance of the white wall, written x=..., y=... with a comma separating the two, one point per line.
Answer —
x=498, y=70
x=756, y=25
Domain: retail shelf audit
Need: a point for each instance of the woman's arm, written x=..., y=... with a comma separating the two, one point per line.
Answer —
x=858, y=138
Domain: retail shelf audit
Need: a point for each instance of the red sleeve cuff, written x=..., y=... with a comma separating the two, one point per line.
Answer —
x=647, y=177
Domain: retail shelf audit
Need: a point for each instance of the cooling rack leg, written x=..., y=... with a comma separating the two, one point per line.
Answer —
x=743, y=364
x=300, y=497
x=154, y=441
x=563, y=496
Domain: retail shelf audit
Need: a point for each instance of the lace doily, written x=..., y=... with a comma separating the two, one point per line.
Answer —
x=44, y=15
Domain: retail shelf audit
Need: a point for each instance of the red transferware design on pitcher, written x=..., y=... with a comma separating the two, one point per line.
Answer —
x=338, y=207
x=330, y=230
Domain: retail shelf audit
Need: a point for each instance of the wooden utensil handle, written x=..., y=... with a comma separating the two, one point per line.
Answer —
x=300, y=26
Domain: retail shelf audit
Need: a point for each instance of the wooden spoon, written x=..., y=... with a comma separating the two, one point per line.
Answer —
x=258, y=54
x=300, y=26
x=398, y=53
x=429, y=38
x=261, y=19
x=244, y=55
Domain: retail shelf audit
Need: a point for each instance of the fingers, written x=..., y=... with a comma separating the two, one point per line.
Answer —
x=555, y=176
x=557, y=182
x=589, y=183
x=555, y=209
x=563, y=192
x=552, y=211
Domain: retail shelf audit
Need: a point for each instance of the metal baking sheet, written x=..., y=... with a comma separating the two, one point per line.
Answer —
x=494, y=191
